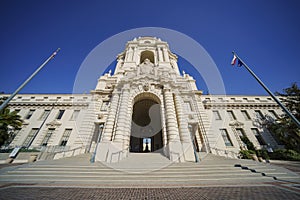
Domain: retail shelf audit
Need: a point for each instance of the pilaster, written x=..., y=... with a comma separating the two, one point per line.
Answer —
x=110, y=123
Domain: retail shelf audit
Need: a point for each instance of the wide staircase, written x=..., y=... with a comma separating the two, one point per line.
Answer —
x=146, y=170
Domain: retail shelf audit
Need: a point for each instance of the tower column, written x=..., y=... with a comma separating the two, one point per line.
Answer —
x=172, y=127
x=109, y=126
x=166, y=55
x=122, y=118
x=160, y=55
x=182, y=122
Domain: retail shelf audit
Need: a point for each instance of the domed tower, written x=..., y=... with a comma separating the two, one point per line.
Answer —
x=151, y=107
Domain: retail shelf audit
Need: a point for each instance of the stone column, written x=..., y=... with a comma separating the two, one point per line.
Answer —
x=122, y=117
x=172, y=127
x=160, y=55
x=183, y=124
x=134, y=58
x=166, y=55
x=185, y=136
x=128, y=55
x=109, y=126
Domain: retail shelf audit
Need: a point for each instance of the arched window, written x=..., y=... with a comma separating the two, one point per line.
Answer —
x=147, y=54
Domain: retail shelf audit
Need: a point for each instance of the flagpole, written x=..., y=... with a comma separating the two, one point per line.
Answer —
x=4, y=104
x=270, y=93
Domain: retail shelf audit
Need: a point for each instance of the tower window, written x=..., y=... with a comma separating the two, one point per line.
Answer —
x=30, y=113
x=226, y=137
x=217, y=115
x=245, y=114
x=60, y=114
x=147, y=54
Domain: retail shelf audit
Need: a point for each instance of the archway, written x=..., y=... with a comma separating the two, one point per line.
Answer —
x=146, y=131
x=147, y=54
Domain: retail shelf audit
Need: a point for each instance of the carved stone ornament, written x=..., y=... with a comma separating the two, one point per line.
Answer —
x=236, y=123
x=100, y=116
x=54, y=123
x=146, y=86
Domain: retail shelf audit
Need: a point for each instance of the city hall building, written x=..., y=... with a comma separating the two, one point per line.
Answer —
x=146, y=105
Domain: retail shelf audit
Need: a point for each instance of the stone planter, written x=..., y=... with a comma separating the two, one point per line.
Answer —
x=32, y=158
x=9, y=160
x=254, y=157
x=260, y=159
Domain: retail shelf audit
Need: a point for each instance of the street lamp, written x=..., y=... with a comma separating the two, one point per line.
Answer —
x=98, y=140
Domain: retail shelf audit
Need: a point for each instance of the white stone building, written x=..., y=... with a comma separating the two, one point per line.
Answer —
x=146, y=105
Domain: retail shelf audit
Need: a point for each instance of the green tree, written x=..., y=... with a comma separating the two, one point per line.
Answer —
x=8, y=120
x=284, y=128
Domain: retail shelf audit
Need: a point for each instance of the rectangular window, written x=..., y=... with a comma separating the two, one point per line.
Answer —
x=30, y=137
x=273, y=114
x=217, y=115
x=245, y=114
x=231, y=115
x=45, y=114
x=104, y=105
x=258, y=136
x=60, y=114
x=47, y=136
x=75, y=115
x=17, y=110
x=240, y=132
x=226, y=137
x=65, y=137
x=259, y=114
x=30, y=113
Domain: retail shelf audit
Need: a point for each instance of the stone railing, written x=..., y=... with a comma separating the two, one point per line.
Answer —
x=225, y=153
x=57, y=152
x=118, y=155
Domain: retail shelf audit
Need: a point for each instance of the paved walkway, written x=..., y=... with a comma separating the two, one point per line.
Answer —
x=273, y=192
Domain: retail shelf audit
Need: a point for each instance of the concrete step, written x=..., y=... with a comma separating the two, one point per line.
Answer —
x=146, y=169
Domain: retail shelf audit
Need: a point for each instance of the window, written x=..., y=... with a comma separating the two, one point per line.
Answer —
x=187, y=106
x=17, y=110
x=240, y=132
x=104, y=105
x=30, y=113
x=30, y=137
x=75, y=115
x=60, y=114
x=65, y=137
x=226, y=137
x=258, y=136
x=45, y=114
x=259, y=114
x=217, y=115
x=245, y=114
x=273, y=114
x=231, y=115
x=47, y=136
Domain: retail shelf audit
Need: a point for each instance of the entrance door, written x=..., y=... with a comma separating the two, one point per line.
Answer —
x=146, y=132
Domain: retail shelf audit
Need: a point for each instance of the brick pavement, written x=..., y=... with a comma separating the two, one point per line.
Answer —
x=197, y=193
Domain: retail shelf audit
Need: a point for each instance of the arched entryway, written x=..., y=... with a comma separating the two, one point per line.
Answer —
x=146, y=131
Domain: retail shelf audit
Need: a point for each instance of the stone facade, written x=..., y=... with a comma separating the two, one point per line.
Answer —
x=145, y=105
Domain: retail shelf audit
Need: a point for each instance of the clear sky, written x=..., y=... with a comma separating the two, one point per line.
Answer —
x=264, y=33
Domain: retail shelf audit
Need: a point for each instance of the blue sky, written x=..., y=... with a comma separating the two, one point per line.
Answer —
x=264, y=33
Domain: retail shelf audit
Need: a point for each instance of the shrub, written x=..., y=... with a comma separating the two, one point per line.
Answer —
x=246, y=154
x=285, y=154
x=263, y=153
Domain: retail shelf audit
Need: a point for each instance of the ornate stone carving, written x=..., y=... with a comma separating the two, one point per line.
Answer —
x=147, y=67
x=54, y=123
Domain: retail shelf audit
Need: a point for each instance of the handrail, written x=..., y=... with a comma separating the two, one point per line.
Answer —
x=64, y=152
x=118, y=153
